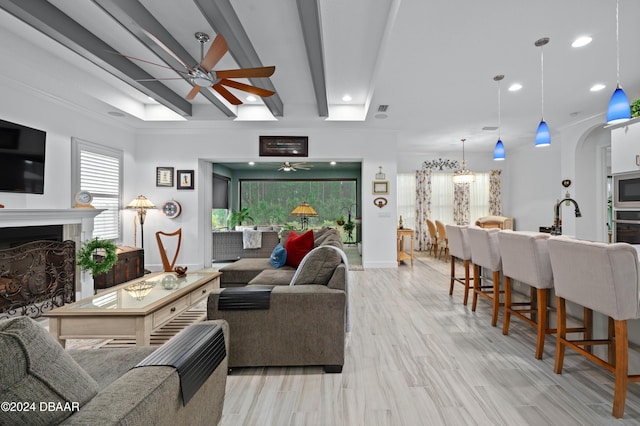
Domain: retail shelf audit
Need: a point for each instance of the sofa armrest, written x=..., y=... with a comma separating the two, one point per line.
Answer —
x=151, y=395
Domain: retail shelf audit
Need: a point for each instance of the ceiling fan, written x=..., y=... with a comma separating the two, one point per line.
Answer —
x=202, y=75
x=292, y=167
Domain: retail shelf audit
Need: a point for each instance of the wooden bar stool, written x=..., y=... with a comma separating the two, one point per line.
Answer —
x=459, y=249
x=485, y=252
x=603, y=278
x=525, y=258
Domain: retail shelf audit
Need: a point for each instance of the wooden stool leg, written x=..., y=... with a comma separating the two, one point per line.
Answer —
x=453, y=274
x=588, y=327
x=466, y=282
x=611, y=353
x=496, y=298
x=622, y=368
x=560, y=334
x=542, y=320
x=476, y=287
x=507, y=305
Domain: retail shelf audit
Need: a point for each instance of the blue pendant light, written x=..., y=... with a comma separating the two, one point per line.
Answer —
x=543, y=135
x=498, y=151
x=618, y=110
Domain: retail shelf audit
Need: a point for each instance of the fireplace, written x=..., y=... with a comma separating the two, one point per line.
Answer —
x=18, y=235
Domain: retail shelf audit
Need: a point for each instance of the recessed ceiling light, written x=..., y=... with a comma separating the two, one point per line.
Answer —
x=515, y=87
x=346, y=98
x=251, y=98
x=597, y=87
x=252, y=163
x=333, y=163
x=581, y=41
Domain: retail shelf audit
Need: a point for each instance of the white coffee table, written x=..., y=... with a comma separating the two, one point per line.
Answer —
x=133, y=310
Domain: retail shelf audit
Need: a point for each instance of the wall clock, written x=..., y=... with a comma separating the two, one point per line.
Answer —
x=83, y=199
x=172, y=209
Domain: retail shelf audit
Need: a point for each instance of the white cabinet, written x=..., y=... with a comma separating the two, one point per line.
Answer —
x=625, y=147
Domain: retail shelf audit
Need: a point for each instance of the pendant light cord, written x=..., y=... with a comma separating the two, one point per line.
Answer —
x=499, y=113
x=542, y=82
x=617, y=44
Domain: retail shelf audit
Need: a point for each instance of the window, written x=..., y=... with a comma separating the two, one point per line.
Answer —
x=98, y=169
x=442, y=189
x=220, y=206
x=271, y=201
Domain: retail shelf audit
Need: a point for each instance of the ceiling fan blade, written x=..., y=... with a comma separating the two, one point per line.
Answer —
x=247, y=72
x=246, y=88
x=216, y=51
x=226, y=94
x=152, y=63
x=165, y=48
x=192, y=94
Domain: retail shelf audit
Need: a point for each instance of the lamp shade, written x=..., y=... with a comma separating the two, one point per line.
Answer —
x=543, y=136
x=498, y=151
x=141, y=202
x=304, y=210
x=618, y=110
x=463, y=176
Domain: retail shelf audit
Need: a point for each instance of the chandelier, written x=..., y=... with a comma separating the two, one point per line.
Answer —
x=440, y=164
x=463, y=175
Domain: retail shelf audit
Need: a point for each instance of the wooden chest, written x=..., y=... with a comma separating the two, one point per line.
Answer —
x=130, y=266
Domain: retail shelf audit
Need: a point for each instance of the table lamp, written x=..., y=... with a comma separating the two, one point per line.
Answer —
x=141, y=204
x=304, y=211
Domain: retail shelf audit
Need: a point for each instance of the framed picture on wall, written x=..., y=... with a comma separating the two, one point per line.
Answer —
x=284, y=146
x=185, y=179
x=164, y=176
x=380, y=187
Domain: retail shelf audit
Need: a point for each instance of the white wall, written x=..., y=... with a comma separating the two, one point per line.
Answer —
x=193, y=149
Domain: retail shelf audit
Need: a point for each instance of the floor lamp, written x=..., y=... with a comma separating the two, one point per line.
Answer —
x=141, y=204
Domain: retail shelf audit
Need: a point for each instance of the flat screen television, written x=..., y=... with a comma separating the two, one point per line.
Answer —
x=22, y=152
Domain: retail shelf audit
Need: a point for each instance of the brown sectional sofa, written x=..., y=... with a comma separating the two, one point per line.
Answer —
x=304, y=323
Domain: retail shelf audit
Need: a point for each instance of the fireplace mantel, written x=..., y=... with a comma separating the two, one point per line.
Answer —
x=34, y=217
x=77, y=226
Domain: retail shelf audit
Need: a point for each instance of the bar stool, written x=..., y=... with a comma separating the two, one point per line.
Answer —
x=525, y=257
x=459, y=249
x=485, y=252
x=603, y=278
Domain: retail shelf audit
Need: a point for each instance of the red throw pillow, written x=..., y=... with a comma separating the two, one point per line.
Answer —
x=297, y=246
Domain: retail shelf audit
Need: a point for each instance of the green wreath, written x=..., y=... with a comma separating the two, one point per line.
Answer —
x=86, y=259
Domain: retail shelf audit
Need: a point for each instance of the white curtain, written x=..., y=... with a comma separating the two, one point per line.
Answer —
x=479, y=197
x=442, y=197
x=407, y=199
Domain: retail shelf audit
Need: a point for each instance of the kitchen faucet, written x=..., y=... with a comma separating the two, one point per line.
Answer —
x=557, y=227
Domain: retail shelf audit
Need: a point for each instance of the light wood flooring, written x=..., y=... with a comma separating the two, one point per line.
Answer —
x=416, y=356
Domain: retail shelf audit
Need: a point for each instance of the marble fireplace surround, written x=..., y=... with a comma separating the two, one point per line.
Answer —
x=77, y=226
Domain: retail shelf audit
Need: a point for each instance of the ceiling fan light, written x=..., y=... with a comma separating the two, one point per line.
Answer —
x=618, y=110
x=543, y=136
x=498, y=151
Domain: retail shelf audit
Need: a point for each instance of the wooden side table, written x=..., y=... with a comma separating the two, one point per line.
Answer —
x=402, y=254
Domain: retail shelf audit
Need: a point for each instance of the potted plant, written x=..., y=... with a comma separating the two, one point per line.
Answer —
x=635, y=108
x=340, y=221
x=238, y=216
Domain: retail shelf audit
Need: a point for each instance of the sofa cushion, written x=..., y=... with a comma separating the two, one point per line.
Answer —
x=278, y=256
x=274, y=277
x=319, y=266
x=36, y=368
x=297, y=246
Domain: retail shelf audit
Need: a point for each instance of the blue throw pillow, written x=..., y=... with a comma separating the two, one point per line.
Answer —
x=278, y=256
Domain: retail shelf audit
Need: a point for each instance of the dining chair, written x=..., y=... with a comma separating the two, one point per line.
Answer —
x=443, y=242
x=433, y=235
x=485, y=252
x=460, y=250
x=525, y=258
x=603, y=278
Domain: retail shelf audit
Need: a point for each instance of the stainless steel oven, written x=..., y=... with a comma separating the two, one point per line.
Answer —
x=626, y=190
x=626, y=226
